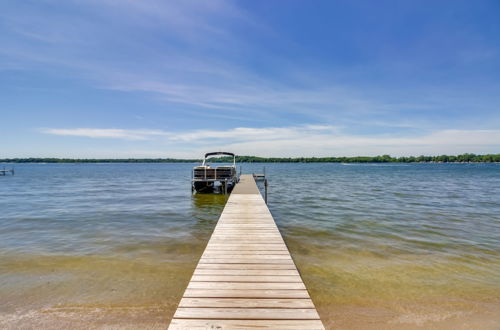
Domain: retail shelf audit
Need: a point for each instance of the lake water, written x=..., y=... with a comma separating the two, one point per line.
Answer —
x=386, y=246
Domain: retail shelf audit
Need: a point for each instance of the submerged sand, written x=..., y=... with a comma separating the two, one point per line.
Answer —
x=366, y=292
x=334, y=317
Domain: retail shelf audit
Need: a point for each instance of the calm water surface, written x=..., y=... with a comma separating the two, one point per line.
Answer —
x=379, y=246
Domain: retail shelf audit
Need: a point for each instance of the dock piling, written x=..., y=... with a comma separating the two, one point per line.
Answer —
x=265, y=190
x=4, y=171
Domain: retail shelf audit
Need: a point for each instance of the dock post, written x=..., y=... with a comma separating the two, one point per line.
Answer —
x=265, y=191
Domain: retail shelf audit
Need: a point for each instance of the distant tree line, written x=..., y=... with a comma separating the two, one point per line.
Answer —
x=97, y=160
x=464, y=158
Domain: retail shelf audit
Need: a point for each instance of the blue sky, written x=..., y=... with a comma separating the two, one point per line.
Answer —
x=123, y=78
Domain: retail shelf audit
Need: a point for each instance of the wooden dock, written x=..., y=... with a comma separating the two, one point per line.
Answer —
x=246, y=278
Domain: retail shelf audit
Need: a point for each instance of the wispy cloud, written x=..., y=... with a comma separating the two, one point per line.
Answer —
x=106, y=133
x=249, y=134
x=325, y=144
x=196, y=136
x=307, y=140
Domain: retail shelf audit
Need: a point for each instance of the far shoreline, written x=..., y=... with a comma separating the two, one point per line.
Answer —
x=451, y=159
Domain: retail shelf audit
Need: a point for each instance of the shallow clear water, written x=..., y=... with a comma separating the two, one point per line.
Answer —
x=386, y=245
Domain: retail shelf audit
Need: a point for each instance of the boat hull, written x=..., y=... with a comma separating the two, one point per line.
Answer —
x=210, y=187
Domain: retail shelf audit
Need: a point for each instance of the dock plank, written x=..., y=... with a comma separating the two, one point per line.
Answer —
x=246, y=303
x=254, y=260
x=230, y=255
x=246, y=272
x=246, y=277
x=247, y=285
x=247, y=313
x=218, y=252
x=247, y=266
x=200, y=324
x=244, y=293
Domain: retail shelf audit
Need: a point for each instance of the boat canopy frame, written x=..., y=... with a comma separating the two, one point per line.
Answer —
x=208, y=154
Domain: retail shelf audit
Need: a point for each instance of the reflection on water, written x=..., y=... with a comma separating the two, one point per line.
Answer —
x=207, y=204
x=391, y=246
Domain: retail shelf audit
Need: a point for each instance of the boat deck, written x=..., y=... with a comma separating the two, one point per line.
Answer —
x=246, y=277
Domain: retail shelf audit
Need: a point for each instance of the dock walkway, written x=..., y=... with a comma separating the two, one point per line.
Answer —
x=246, y=277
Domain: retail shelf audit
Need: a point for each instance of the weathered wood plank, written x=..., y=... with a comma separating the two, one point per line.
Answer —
x=245, y=278
x=247, y=228
x=241, y=223
x=240, y=293
x=246, y=303
x=243, y=266
x=214, y=252
x=250, y=212
x=249, y=236
x=245, y=225
x=247, y=231
x=246, y=286
x=247, y=217
x=250, y=221
x=245, y=240
x=248, y=244
x=247, y=313
x=246, y=272
x=248, y=247
x=245, y=261
x=245, y=256
x=199, y=324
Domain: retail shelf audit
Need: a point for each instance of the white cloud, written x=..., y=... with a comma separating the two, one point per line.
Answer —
x=108, y=133
x=331, y=143
x=295, y=141
x=248, y=134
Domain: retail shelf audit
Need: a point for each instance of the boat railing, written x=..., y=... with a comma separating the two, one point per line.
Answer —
x=207, y=173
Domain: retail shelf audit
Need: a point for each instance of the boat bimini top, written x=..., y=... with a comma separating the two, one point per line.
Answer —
x=208, y=154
